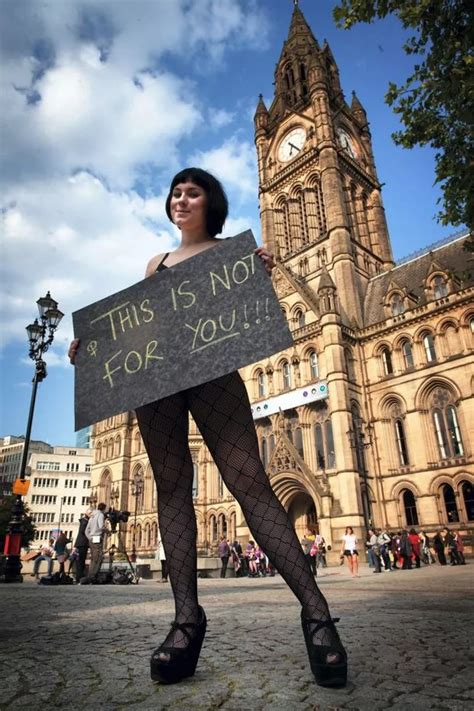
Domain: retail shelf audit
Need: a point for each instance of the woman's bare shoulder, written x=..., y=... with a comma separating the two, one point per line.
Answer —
x=153, y=264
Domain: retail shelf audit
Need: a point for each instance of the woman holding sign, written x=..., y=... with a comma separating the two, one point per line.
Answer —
x=197, y=205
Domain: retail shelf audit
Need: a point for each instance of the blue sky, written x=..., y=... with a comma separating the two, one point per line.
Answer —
x=103, y=101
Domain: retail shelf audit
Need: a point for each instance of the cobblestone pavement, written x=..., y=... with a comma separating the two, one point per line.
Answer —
x=408, y=635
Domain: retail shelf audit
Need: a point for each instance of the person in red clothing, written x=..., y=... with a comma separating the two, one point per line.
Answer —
x=415, y=541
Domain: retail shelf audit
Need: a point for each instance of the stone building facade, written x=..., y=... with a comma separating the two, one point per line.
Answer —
x=372, y=408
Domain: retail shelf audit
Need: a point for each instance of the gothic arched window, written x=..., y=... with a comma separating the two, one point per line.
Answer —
x=299, y=318
x=401, y=442
x=429, y=346
x=452, y=515
x=313, y=365
x=213, y=528
x=446, y=425
x=195, y=479
x=264, y=448
x=261, y=389
x=386, y=361
x=440, y=287
x=137, y=442
x=298, y=442
x=397, y=305
x=467, y=490
x=407, y=354
x=409, y=505
x=286, y=375
x=324, y=442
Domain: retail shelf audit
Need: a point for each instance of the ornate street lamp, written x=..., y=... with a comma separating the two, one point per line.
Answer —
x=359, y=441
x=40, y=336
x=137, y=489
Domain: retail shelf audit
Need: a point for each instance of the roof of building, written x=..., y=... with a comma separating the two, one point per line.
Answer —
x=410, y=277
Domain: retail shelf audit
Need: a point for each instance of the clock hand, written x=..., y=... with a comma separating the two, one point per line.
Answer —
x=293, y=146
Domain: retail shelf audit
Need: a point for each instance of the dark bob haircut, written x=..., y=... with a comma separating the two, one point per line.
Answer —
x=217, y=203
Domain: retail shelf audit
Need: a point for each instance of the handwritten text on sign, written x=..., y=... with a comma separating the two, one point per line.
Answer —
x=202, y=318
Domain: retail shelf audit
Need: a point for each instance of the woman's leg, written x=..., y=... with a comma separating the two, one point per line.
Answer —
x=222, y=412
x=164, y=430
x=349, y=563
x=355, y=564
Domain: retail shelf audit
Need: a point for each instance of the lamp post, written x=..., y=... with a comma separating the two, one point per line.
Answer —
x=40, y=336
x=360, y=442
x=137, y=489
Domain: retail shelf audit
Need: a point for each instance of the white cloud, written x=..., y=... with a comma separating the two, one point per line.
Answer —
x=78, y=240
x=91, y=111
x=218, y=118
x=234, y=163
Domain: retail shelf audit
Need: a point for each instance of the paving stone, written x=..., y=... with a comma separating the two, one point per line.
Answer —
x=92, y=645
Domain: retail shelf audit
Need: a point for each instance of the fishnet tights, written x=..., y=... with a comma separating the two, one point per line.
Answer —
x=221, y=410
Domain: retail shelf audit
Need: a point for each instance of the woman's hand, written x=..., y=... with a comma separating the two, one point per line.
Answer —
x=73, y=348
x=267, y=258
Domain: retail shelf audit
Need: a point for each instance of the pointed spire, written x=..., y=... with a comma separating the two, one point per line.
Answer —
x=299, y=27
x=358, y=110
x=260, y=118
x=325, y=281
x=261, y=108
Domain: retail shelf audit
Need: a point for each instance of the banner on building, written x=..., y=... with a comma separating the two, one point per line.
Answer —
x=194, y=322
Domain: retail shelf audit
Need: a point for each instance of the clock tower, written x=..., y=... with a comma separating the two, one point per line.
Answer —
x=318, y=187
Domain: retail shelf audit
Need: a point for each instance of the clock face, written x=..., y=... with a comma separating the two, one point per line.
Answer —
x=292, y=144
x=346, y=142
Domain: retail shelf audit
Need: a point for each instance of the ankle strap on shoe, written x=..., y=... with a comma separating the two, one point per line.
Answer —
x=182, y=627
x=321, y=624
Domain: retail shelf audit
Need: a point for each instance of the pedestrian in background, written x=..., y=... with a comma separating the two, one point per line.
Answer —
x=46, y=553
x=415, y=542
x=438, y=545
x=349, y=551
x=60, y=548
x=163, y=562
x=306, y=544
x=384, y=541
x=459, y=547
x=224, y=554
x=95, y=532
x=81, y=544
x=450, y=544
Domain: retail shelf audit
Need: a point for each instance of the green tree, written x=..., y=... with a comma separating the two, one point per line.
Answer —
x=436, y=103
x=6, y=505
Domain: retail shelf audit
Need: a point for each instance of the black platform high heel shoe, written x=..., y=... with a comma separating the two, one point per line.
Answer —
x=325, y=672
x=182, y=661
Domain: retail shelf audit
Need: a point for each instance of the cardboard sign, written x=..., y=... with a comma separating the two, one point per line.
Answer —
x=183, y=326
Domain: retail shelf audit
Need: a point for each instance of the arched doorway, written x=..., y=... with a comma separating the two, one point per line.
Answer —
x=302, y=513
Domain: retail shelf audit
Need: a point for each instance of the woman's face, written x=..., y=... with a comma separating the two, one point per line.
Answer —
x=188, y=206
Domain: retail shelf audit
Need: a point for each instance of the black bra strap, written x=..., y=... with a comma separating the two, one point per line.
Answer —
x=159, y=265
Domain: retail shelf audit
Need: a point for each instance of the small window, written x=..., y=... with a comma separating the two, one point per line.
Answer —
x=450, y=505
x=440, y=288
x=261, y=383
x=397, y=305
x=409, y=504
x=407, y=355
x=286, y=375
x=429, y=346
x=387, y=361
x=401, y=443
x=313, y=365
x=299, y=318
